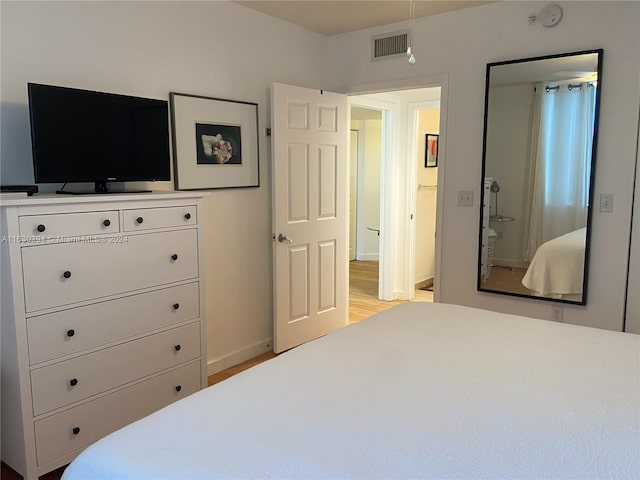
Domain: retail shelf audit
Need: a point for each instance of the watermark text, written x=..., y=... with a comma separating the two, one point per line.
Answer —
x=37, y=239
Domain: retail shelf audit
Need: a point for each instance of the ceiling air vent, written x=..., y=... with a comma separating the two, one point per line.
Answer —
x=389, y=45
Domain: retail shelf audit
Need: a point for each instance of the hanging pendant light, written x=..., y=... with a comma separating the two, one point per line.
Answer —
x=410, y=55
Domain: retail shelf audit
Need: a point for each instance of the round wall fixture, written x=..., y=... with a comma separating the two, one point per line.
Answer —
x=551, y=15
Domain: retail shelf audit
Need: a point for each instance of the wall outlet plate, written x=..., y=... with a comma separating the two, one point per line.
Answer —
x=556, y=314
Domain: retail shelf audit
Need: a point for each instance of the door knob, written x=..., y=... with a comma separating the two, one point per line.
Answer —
x=283, y=238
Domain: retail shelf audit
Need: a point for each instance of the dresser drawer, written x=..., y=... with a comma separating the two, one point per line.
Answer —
x=149, y=218
x=66, y=382
x=69, y=224
x=93, y=420
x=64, y=273
x=70, y=331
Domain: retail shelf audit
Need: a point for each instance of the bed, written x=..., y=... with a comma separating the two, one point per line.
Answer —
x=418, y=391
x=557, y=268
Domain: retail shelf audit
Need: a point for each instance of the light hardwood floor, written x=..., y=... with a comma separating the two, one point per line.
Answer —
x=506, y=279
x=363, y=292
x=230, y=372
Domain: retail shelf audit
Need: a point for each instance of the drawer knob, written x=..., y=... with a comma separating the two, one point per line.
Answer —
x=176, y=306
x=139, y=220
x=174, y=257
x=67, y=274
x=73, y=382
x=187, y=216
x=178, y=388
x=41, y=228
x=76, y=430
x=71, y=332
x=177, y=348
x=106, y=223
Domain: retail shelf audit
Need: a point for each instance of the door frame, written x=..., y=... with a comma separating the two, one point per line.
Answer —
x=389, y=109
x=356, y=236
x=413, y=108
x=401, y=284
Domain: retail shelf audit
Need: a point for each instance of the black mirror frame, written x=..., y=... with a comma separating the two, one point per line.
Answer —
x=585, y=278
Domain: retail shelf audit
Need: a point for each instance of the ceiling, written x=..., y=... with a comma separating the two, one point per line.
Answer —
x=573, y=67
x=331, y=17
x=359, y=113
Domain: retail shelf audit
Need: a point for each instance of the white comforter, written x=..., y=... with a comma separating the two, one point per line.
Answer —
x=418, y=391
x=557, y=267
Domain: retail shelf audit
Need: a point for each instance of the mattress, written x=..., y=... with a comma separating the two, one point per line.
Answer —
x=557, y=268
x=418, y=391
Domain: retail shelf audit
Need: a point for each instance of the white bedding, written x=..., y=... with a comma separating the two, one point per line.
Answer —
x=419, y=391
x=557, y=267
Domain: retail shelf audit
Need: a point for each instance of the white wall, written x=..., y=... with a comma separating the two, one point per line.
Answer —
x=221, y=49
x=460, y=44
x=508, y=163
x=216, y=49
x=425, y=217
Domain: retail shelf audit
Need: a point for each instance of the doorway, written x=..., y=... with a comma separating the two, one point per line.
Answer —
x=391, y=130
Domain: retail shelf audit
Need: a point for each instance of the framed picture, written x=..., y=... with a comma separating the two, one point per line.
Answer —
x=431, y=150
x=215, y=142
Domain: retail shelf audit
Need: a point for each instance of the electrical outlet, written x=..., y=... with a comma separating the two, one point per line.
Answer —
x=465, y=198
x=556, y=314
x=606, y=202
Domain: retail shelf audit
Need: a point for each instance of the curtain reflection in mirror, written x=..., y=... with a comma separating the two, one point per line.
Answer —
x=562, y=134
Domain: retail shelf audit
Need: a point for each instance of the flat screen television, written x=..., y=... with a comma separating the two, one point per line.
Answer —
x=87, y=136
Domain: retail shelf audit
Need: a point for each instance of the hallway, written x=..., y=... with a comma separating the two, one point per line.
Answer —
x=363, y=292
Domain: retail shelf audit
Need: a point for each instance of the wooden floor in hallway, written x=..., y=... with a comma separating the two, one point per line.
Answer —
x=363, y=291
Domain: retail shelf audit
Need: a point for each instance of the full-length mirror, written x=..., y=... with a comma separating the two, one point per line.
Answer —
x=541, y=122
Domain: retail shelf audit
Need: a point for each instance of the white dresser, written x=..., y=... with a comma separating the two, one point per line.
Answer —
x=102, y=318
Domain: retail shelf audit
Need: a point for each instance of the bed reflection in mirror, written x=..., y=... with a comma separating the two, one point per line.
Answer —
x=538, y=160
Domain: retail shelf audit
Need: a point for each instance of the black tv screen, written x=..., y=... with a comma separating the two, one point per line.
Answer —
x=86, y=136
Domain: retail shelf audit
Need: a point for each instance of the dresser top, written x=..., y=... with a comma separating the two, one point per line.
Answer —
x=60, y=199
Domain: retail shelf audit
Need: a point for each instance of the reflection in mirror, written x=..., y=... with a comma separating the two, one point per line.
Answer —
x=538, y=157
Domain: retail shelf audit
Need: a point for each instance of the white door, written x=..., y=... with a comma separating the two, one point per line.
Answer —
x=310, y=213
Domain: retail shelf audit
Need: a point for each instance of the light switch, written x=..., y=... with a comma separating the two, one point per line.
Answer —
x=606, y=202
x=465, y=198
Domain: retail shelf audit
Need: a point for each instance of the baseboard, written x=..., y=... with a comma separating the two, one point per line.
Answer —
x=233, y=359
x=504, y=262
x=369, y=257
x=427, y=282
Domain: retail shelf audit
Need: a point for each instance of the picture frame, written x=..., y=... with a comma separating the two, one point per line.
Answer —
x=431, y=150
x=215, y=142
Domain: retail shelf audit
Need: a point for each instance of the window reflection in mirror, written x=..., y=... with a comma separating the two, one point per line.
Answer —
x=538, y=161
